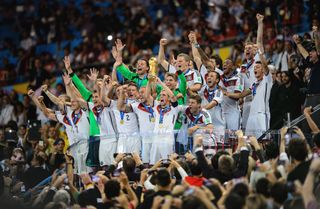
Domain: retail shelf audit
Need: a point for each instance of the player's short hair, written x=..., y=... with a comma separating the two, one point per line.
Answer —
x=197, y=98
x=297, y=149
x=163, y=178
x=133, y=84
x=173, y=75
x=248, y=43
x=147, y=62
x=217, y=74
x=185, y=56
x=115, y=191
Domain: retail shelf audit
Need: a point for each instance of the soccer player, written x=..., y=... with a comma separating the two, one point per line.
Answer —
x=200, y=123
x=212, y=100
x=259, y=116
x=127, y=123
x=230, y=82
x=247, y=69
x=166, y=113
x=140, y=78
x=106, y=123
x=146, y=117
x=194, y=81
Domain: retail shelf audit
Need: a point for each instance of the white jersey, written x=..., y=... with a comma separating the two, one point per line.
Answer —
x=127, y=123
x=192, y=76
x=146, y=118
x=61, y=118
x=261, y=93
x=231, y=84
x=204, y=72
x=215, y=112
x=106, y=121
x=247, y=72
x=165, y=118
x=202, y=119
x=79, y=123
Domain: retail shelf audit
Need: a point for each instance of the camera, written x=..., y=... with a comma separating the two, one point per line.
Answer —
x=125, y=155
x=34, y=130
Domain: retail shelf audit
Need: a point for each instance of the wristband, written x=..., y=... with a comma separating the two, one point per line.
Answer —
x=196, y=45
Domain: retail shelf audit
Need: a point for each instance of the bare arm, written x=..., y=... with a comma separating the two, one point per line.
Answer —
x=194, y=47
x=260, y=32
x=169, y=92
x=161, y=56
x=51, y=96
x=238, y=95
x=316, y=36
x=313, y=126
x=73, y=92
x=307, y=189
x=301, y=49
x=121, y=105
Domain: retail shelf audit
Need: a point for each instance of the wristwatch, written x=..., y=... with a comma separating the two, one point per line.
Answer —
x=196, y=45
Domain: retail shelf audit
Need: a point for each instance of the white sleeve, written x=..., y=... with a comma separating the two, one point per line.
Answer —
x=113, y=105
x=182, y=172
x=59, y=116
x=207, y=117
x=171, y=69
x=147, y=184
x=284, y=157
x=197, y=78
x=90, y=105
x=203, y=72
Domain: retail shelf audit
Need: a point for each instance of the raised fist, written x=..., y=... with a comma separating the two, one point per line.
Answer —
x=163, y=42
x=259, y=17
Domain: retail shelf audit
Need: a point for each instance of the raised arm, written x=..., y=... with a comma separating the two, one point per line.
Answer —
x=260, y=32
x=316, y=37
x=194, y=46
x=49, y=113
x=161, y=55
x=121, y=104
x=313, y=126
x=72, y=92
x=114, y=69
x=301, y=49
x=51, y=96
x=85, y=93
x=169, y=92
x=307, y=189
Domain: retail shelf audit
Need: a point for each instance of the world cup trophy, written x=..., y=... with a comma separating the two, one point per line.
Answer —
x=152, y=69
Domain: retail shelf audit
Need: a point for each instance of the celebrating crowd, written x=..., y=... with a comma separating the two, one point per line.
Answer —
x=180, y=131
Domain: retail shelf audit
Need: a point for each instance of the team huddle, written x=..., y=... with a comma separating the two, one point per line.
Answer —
x=156, y=118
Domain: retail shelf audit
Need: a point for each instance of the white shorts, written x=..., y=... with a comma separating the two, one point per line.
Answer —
x=257, y=124
x=129, y=143
x=79, y=152
x=245, y=113
x=232, y=119
x=106, y=150
x=161, y=148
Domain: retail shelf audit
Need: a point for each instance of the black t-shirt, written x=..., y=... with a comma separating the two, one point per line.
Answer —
x=314, y=83
x=300, y=172
x=148, y=200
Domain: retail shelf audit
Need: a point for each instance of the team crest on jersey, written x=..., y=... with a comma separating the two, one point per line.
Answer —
x=189, y=77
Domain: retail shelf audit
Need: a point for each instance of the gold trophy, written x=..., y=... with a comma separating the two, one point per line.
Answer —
x=152, y=69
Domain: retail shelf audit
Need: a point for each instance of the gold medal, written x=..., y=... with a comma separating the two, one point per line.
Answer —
x=160, y=125
x=152, y=120
x=121, y=122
